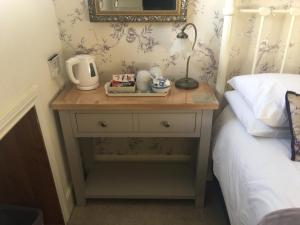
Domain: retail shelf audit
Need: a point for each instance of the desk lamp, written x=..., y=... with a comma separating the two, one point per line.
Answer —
x=183, y=46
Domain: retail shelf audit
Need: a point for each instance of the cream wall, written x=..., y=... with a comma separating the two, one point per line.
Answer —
x=28, y=36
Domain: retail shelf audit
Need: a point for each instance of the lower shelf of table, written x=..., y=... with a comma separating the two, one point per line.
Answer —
x=141, y=180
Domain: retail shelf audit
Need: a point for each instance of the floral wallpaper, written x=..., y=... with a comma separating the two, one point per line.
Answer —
x=128, y=47
x=273, y=40
x=146, y=146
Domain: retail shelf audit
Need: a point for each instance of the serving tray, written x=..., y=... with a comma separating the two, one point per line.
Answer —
x=136, y=94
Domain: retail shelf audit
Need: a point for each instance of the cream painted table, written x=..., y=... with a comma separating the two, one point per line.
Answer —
x=180, y=114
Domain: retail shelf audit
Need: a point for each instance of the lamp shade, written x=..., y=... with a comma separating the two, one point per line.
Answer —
x=182, y=46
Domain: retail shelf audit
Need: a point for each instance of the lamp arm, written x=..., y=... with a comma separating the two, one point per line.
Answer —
x=195, y=40
x=196, y=32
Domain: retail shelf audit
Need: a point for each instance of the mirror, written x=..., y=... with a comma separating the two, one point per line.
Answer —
x=136, y=5
x=137, y=10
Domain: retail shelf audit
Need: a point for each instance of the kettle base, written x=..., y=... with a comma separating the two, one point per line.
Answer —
x=88, y=88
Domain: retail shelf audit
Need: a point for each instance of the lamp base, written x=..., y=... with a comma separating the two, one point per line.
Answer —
x=186, y=83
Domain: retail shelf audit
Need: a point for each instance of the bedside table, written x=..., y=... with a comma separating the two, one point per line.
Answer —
x=183, y=113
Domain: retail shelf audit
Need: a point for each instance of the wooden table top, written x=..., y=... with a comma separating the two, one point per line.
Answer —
x=73, y=99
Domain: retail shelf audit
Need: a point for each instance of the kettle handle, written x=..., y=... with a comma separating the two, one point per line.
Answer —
x=70, y=63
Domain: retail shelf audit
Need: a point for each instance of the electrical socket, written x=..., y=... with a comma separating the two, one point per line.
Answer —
x=54, y=65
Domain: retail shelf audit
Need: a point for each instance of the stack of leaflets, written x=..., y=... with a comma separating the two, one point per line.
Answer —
x=122, y=83
x=123, y=80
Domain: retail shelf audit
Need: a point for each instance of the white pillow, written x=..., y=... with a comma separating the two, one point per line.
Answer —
x=253, y=126
x=265, y=94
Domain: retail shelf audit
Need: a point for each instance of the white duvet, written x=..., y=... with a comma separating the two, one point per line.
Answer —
x=256, y=175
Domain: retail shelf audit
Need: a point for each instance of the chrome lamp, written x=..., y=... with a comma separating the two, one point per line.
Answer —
x=183, y=46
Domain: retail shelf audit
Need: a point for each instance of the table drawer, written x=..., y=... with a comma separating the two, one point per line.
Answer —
x=167, y=123
x=104, y=123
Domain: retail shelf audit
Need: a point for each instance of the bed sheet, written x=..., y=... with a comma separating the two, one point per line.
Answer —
x=256, y=175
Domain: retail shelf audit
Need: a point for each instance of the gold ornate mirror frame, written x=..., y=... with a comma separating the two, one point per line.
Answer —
x=178, y=15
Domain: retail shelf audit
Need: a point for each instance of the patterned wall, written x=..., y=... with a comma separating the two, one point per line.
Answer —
x=127, y=47
x=273, y=41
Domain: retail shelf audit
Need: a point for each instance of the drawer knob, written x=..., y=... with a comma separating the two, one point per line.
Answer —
x=102, y=124
x=166, y=124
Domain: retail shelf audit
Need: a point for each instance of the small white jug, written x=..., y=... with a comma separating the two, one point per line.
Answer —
x=143, y=80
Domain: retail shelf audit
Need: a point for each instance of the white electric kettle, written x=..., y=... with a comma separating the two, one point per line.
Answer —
x=82, y=71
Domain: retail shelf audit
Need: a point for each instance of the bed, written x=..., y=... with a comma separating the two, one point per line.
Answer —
x=256, y=175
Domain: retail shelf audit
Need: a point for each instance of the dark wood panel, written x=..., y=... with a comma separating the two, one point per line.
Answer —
x=25, y=173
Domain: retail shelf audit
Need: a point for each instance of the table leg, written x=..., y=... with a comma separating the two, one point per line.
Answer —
x=203, y=157
x=74, y=158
